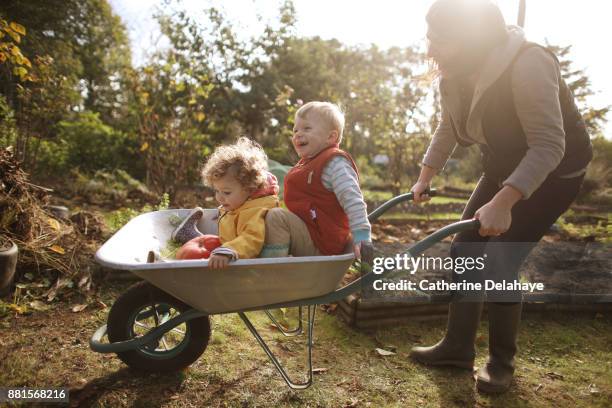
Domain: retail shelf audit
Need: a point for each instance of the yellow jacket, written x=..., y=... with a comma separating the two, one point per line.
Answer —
x=243, y=230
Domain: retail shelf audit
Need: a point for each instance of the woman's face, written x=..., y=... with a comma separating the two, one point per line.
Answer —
x=442, y=49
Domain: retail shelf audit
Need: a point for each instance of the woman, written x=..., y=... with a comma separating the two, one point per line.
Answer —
x=506, y=95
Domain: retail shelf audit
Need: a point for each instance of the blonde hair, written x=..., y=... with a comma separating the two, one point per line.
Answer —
x=330, y=112
x=245, y=160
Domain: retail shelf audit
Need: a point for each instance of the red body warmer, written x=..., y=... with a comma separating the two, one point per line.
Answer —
x=306, y=197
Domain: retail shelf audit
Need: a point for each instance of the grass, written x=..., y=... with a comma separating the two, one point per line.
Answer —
x=600, y=231
x=447, y=200
x=564, y=361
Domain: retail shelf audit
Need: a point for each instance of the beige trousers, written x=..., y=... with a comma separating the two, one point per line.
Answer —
x=286, y=234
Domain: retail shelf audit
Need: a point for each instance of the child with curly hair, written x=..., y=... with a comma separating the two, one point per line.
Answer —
x=245, y=191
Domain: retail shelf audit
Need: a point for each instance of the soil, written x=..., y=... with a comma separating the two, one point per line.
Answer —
x=564, y=267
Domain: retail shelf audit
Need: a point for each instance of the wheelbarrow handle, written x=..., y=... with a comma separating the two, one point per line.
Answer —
x=432, y=192
x=368, y=276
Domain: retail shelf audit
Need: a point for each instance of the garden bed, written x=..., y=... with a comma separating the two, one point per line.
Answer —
x=577, y=276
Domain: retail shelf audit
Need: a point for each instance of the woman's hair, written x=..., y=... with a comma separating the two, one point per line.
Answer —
x=477, y=26
x=329, y=112
x=245, y=160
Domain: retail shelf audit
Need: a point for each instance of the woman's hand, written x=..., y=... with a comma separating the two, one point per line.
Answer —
x=496, y=216
x=422, y=184
x=418, y=189
x=494, y=219
x=217, y=261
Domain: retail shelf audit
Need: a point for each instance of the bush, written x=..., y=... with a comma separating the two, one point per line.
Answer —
x=8, y=131
x=88, y=144
x=120, y=217
x=109, y=187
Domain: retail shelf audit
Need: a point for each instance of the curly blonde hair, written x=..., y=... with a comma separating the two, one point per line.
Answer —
x=245, y=160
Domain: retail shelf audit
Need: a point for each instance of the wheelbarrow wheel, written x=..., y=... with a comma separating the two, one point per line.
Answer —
x=142, y=308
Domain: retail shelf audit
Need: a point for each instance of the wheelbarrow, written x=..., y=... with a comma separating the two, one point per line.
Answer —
x=162, y=324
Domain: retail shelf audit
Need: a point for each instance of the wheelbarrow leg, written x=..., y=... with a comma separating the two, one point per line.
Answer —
x=272, y=357
x=287, y=332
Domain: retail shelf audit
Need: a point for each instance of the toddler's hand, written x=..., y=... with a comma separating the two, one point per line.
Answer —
x=365, y=249
x=357, y=251
x=217, y=261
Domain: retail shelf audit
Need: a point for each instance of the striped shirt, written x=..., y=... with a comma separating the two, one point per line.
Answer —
x=340, y=178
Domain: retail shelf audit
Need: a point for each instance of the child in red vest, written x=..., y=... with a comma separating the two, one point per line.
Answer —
x=326, y=206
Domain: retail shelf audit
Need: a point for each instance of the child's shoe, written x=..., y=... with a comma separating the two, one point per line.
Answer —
x=187, y=230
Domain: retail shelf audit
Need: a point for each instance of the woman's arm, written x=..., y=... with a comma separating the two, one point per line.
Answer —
x=535, y=87
x=423, y=183
x=442, y=145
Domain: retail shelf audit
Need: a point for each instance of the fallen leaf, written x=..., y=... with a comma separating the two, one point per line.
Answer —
x=384, y=352
x=18, y=309
x=53, y=223
x=79, y=308
x=83, y=282
x=58, y=249
x=353, y=403
x=554, y=376
x=331, y=308
x=38, y=305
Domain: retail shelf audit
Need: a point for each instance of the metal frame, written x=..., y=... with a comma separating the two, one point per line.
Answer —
x=279, y=367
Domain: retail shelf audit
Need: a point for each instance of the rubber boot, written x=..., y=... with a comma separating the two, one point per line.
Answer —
x=188, y=230
x=457, y=347
x=496, y=375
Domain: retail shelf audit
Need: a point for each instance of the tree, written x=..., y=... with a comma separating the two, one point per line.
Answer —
x=77, y=48
x=580, y=85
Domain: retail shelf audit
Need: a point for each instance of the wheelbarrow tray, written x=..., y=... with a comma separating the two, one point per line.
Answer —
x=244, y=284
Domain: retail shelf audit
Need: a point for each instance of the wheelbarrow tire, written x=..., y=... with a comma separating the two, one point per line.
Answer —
x=122, y=320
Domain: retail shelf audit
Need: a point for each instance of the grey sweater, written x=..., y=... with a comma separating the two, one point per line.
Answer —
x=535, y=86
x=340, y=177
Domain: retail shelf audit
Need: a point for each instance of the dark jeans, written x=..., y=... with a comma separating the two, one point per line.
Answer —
x=503, y=255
